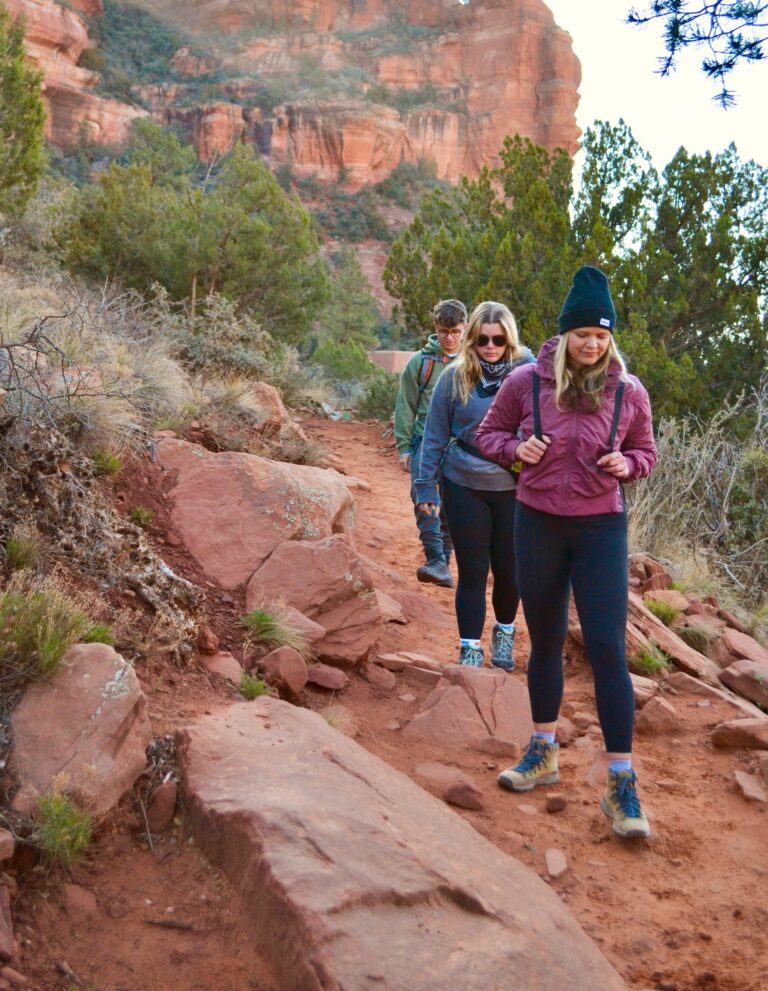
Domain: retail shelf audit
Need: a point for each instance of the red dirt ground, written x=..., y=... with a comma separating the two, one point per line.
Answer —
x=686, y=911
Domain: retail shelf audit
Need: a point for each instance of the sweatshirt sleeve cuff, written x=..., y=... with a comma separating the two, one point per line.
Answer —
x=426, y=492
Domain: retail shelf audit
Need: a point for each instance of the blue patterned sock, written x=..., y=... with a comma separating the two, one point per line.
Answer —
x=469, y=643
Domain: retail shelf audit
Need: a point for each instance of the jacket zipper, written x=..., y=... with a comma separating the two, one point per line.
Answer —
x=568, y=463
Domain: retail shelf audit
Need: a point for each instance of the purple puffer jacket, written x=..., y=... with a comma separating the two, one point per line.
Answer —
x=567, y=481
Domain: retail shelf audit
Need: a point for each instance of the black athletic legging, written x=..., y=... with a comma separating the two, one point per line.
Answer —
x=589, y=553
x=481, y=525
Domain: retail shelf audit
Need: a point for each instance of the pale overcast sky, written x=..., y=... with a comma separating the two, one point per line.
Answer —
x=619, y=79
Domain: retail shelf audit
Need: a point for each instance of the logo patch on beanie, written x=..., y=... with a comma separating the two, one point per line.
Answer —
x=605, y=322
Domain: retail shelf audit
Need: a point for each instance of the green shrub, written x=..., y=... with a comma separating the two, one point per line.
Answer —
x=377, y=401
x=141, y=516
x=649, y=661
x=268, y=626
x=351, y=216
x=136, y=48
x=344, y=361
x=64, y=831
x=106, y=464
x=663, y=611
x=40, y=619
x=99, y=633
x=252, y=687
x=22, y=549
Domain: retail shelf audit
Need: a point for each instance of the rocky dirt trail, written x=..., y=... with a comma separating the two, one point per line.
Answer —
x=686, y=911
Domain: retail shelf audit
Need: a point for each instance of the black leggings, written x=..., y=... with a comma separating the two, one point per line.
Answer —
x=482, y=529
x=589, y=552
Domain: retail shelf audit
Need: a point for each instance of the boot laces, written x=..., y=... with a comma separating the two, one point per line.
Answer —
x=533, y=757
x=626, y=794
x=504, y=644
x=472, y=656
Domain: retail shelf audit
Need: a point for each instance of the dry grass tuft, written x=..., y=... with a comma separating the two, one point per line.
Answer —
x=269, y=626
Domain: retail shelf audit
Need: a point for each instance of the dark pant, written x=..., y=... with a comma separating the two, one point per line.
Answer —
x=589, y=553
x=481, y=525
x=433, y=530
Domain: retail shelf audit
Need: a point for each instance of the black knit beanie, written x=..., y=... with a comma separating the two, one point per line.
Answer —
x=588, y=303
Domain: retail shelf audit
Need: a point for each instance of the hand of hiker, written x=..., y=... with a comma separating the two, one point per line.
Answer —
x=615, y=464
x=405, y=462
x=427, y=507
x=531, y=451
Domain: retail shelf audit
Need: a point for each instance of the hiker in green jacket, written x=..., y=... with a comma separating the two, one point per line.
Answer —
x=417, y=382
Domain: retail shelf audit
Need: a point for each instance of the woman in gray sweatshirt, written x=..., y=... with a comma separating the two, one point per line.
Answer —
x=478, y=494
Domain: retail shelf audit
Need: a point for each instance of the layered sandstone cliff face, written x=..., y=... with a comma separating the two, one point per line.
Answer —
x=463, y=75
x=56, y=38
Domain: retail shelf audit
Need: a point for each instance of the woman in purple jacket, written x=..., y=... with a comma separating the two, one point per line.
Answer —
x=586, y=427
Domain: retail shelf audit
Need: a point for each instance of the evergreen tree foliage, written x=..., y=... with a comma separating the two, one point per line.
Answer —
x=686, y=251
x=22, y=119
x=235, y=232
x=352, y=313
x=729, y=31
x=346, y=330
x=505, y=235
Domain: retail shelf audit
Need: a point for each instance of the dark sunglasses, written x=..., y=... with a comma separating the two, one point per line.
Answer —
x=498, y=340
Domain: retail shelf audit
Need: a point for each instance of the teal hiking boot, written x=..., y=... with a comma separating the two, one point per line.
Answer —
x=472, y=657
x=502, y=646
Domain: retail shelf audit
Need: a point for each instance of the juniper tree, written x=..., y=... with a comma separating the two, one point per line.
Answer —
x=22, y=119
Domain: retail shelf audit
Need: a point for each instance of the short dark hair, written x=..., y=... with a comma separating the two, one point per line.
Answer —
x=449, y=313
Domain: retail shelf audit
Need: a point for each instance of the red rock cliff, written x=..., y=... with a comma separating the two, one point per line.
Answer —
x=476, y=72
x=495, y=67
x=56, y=38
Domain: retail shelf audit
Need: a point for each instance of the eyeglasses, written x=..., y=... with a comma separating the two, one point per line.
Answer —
x=498, y=340
x=452, y=332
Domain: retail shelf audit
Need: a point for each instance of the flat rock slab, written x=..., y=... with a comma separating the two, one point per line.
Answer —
x=356, y=879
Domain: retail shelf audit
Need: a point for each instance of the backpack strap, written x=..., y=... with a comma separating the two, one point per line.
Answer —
x=536, y=409
x=616, y=414
x=425, y=372
x=427, y=365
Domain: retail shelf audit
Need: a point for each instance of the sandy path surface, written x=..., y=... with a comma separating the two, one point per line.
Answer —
x=689, y=909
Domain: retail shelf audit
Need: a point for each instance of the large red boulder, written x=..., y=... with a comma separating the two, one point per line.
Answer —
x=84, y=733
x=232, y=510
x=328, y=582
x=354, y=877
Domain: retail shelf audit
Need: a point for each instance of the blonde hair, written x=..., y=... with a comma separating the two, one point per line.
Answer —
x=573, y=383
x=467, y=366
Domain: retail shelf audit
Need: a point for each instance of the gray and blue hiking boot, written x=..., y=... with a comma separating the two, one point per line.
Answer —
x=537, y=766
x=621, y=804
x=472, y=657
x=435, y=571
x=502, y=645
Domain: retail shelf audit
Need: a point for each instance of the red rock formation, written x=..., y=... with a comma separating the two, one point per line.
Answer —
x=491, y=68
x=505, y=66
x=56, y=38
